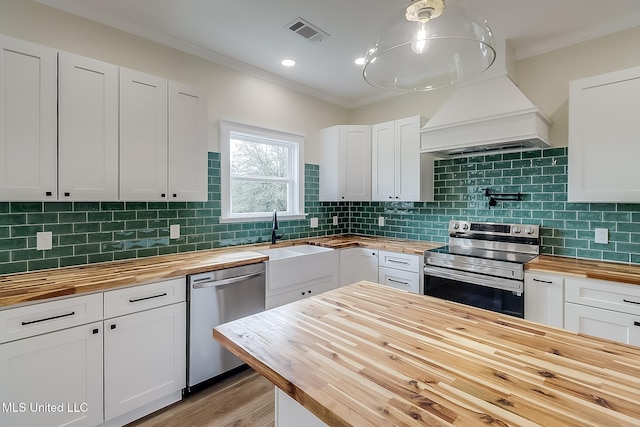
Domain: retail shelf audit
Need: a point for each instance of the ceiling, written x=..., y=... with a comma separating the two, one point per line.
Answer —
x=252, y=35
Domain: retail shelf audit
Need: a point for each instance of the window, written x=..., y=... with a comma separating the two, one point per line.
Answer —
x=262, y=171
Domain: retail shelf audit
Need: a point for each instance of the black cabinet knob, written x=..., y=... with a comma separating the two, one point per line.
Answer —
x=113, y=326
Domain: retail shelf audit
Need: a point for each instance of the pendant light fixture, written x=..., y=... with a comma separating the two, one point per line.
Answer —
x=429, y=45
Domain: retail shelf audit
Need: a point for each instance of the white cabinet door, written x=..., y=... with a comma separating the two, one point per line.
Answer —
x=88, y=129
x=61, y=369
x=187, y=143
x=144, y=358
x=407, y=159
x=398, y=171
x=544, y=299
x=358, y=264
x=143, y=136
x=383, y=161
x=345, y=165
x=613, y=325
x=603, y=138
x=28, y=121
x=355, y=163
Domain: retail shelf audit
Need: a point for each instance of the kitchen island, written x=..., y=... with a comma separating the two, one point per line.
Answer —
x=370, y=355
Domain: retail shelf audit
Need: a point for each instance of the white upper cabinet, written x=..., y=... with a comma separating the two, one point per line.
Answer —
x=88, y=129
x=187, y=143
x=397, y=167
x=603, y=138
x=28, y=121
x=345, y=167
x=143, y=136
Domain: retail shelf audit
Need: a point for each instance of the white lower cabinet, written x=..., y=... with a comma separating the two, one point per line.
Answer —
x=358, y=264
x=144, y=358
x=613, y=325
x=603, y=309
x=290, y=413
x=544, y=299
x=144, y=349
x=400, y=270
x=100, y=359
x=52, y=378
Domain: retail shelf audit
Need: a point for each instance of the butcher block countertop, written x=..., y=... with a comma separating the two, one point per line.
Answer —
x=624, y=273
x=41, y=285
x=370, y=355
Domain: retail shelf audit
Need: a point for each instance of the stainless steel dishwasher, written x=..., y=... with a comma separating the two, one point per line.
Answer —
x=214, y=298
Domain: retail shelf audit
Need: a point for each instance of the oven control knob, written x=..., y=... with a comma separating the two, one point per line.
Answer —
x=528, y=230
x=456, y=226
x=465, y=226
x=515, y=230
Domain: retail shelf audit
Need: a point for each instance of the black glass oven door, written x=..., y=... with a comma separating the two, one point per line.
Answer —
x=488, y=298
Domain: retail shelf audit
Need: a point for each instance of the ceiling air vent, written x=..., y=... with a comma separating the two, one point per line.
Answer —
x=306, y=30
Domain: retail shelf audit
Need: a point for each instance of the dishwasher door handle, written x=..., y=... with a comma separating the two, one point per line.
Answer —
x=222, y=282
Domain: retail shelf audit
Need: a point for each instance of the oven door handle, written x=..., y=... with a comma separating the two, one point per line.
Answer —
x=475, y=279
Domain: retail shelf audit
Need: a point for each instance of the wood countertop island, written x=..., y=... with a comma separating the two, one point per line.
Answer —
x=370, y=355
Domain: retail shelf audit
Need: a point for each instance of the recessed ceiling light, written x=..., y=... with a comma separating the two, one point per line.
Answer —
x=359, y=61
x=288, y=62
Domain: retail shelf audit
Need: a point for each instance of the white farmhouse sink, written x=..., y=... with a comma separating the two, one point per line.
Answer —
x=293, y=265
x=289, y=251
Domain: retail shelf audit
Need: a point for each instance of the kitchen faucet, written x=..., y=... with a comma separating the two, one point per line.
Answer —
x=274, y=236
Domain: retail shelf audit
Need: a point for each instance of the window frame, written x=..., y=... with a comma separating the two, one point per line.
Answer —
x=296, y=142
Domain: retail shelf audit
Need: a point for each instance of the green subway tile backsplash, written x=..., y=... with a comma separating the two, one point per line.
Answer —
x=90, y=232
x=567, y=229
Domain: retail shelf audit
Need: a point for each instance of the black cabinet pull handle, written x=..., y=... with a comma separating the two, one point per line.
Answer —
x=48, y=193
x=95, y=331
x=67, y=194
x=146, y=298
x=163, y=195
x=175, y=195
x=30, y=322
x=543, y=281
x=636, y=323
x=113, y=326
x=631, y=302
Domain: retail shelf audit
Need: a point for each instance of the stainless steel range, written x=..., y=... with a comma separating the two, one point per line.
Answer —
x=483, y=265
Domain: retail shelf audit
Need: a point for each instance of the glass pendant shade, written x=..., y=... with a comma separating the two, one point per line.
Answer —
x=430, y=44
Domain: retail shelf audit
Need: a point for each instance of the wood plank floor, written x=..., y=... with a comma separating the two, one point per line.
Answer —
x=243, y=400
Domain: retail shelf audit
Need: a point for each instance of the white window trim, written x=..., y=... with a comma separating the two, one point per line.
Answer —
x=226, y=128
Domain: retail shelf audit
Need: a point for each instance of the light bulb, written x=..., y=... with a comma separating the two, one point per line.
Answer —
x=421, y=40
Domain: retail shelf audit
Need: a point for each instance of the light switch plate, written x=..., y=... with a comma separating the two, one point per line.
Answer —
x=314, y=222
x=381, y=221
x=174, y=231
x=602, y=235
x=335, y=219
x=44, y=240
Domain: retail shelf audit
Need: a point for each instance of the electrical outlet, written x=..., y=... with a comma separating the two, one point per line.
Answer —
x=174, y=231
x=314, y=223
x=44, y=240
x=335, y=219
x=381, y=221
x=602, y=235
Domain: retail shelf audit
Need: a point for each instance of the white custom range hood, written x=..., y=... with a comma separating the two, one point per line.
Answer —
x=487, y=116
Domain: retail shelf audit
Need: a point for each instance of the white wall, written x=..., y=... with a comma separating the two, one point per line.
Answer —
x=232, y=95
